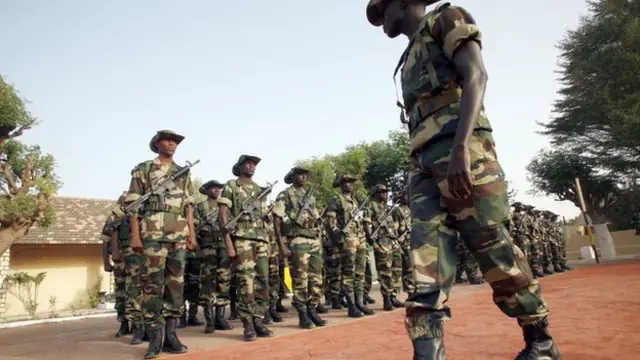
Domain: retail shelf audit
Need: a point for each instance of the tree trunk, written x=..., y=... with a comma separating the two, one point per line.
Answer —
x=9, y=235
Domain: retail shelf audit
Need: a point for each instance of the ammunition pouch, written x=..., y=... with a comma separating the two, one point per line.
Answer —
x=428, y=104
x=156, y=207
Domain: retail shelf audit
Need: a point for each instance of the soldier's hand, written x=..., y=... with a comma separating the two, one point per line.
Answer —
x=136, y=244
x=284, y=250
x=108, y=267
x=191, y=242
x=116, y=256
x=231, y=253
x=459, y=173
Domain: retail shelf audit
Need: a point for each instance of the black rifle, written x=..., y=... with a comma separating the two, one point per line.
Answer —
x=355, y=213
x=249, y=207
x=210, y=219
x=383, y=221
x=305, y=205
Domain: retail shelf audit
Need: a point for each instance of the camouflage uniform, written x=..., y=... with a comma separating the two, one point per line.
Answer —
x=558, y=234
x=402, y=258
x=214, y=289
x=274, y=275
x=519, y=229
x=368, y=278
x=305, y=262
x=251, y=241
x=431, y=88
x=467, y=264
x=192, y=275
x=545, y=242
x=533, y=238
x=554, y=247
x=333, y=270
x=351, y=244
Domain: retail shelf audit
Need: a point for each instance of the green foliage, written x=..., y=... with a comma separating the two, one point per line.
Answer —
x=197, y=182
x=24, y=287
x=13, y=112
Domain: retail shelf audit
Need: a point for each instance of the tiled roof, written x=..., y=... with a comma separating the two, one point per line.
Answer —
x=78, y=221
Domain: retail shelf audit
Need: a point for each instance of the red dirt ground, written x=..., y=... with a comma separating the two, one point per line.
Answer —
x=594, y=316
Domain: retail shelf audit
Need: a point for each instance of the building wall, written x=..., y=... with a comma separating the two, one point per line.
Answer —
x=626, y=243
x=71, y=271
x=4, y=270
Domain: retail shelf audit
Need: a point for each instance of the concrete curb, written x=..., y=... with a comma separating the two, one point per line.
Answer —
x=15, y=324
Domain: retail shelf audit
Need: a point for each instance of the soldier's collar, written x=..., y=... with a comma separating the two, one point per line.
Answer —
x=156, y=161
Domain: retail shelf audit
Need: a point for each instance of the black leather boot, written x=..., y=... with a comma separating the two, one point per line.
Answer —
x=538, y=343
x=313, y=316
x=335, y=303
x=155, y=341
x=249, y=330
x=221, y=323
x=343, y=301
x=172, y=344
x=233, y=310
x=547, y=271
x=138, y=334
x=567, y=267
x=558, y=269
x=281, y=308
x=210, y=326
x=321, y=309
x=275, y=315
x=304, y=321
x=365, y=310
x=353, y=311
x=145, y=337
x=327, y=300
x=476, y=280
x=267, y=319
x=386, y=303
x=261, y=329
x=431, y=349
x=183, y=320
x=193, y=316
x=124, y=329
x=368, y=299
x=538, y=274
x=395, y=302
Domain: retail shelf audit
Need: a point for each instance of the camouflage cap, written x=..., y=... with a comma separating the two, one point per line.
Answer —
x=164, y=134
x=343, y=178
x=378, y=189
x=208, y=185
x=376, y=9
x=241, y=160
x=288, y=179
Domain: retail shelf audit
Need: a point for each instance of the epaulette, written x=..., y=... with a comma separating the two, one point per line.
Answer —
x=144, y=166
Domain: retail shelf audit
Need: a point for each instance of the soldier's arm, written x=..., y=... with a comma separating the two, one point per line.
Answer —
x=331, y=219
x=278, y=212
x=225, y=203
x=189, y=200
x=456, y=31
x=366, y=220
x=137, y=188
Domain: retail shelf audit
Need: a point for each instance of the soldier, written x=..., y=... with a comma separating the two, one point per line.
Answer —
x=247, y=246
x=346, y=234
x=402, y=258
x=542, y=242
x=554, y=250
x=368, y=279
x=456, y=181
x=562, y=242
x=519, y=229
x=274, y=275
x=378, y=218
x=214, y=291
x=192, y=278
x=635, y=221
x=295, y=217
x=467, y=264
x=164, y=233
x=333, y=267
x=533, y=237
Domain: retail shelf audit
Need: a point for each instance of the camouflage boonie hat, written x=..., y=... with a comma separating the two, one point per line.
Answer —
x=378, y=189
x=516, y=204
x=528, y=207
x=288, y=179
x=208, y=185
x=241, y=160
x=164, y=134
x=376, y=9
x=343, y=178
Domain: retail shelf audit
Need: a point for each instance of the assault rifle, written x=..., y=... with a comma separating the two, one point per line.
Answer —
x=305, y=205
x=167, y=183
x=249, y=207
x=209, y=219
x=355, y=213
x=383, y=221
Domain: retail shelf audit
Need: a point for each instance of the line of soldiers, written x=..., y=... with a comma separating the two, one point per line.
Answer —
x=230, y=250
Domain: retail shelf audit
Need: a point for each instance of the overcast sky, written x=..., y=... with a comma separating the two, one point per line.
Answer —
x=283, y=80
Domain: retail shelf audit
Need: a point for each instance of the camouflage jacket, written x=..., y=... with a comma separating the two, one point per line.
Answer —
x=288, y=207
x=519, y=225
x=402, y=215
x=210, y=233
x=372, y=215
x=338, y=214
x=161, y=223
x=251, y=226
x=431, y=85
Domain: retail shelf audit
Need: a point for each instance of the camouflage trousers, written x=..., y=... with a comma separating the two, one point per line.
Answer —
x=120, y=289
x=134, y=264
x=163, y=295
x=556, y=253
x=252, y=277
x=535, y=254
x=192, y=276
x=305, y=265
x=368, y=274
x=402, y=278
x=354, y=259
x=216, y=276
x=333, y=270
x=282, y=288
x=480, y=220
x=546, y=253
x=562, y=250
x=466, y=262
x=522, y=242
x=274, y=272
x=383, y=255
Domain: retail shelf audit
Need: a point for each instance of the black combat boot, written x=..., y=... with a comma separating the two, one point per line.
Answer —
x=558, y=268
x=538, y=343
x=183, y=319
x=155, y=341
x=353, y=311
x=233, y=310
x=275, y=315
x=210, y=326
x=304, y=321
x=267, y=319
x=335, y=303
x=476, y=280
x=321, y=309
x=386, y=303
x=146, y=335
x=281, y=308
x=261, y=329
x=249, y=330
x=459, y=279
x=221, y=323
x=172, y=344
x=365, y=310
x=343, y=301
x=395, y=302
x=327, y=300
x=368, y=299
x=193, y=316
x=124, y=329
x=428, y=349
x=538, y=274
x=138, y=334
x=313, y=316
x=567, y=267
x=547, y=271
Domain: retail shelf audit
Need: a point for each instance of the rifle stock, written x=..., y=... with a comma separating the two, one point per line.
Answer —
x=248, y=207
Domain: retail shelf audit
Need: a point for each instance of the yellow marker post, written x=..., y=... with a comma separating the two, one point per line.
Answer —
x=588, y=227
x=287, y=278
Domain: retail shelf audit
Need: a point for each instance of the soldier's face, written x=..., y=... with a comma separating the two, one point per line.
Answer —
x=167, y=146
x=214, y=192
x=248, y=168
x=393, y=17
x=384, y=195
x=347, y=186
x=301, y=178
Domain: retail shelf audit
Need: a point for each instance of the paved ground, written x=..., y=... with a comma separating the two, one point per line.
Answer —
x=595, y=299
